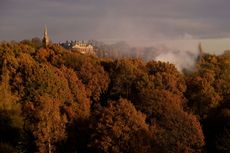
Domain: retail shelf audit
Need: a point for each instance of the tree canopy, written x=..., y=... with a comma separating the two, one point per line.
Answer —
x=55, y=100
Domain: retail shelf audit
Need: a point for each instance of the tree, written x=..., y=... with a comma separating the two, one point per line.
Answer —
x=80, y=104
x=202, y=97
x=78, y=112
x=117, y=128
x=91, y=73
x=173, y=129
x=123, y=74
x=11, y=121
x=205, y=85
x=95, y=79
x=44, y=119
x=166, y=76
x=55, y=84
x=222, y=82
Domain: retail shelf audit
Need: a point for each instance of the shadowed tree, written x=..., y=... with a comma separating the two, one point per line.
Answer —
x=11, y=121
x=44, y=118
x=173, y=129
x=202, y=96
x=117, y=128
x=217, y=129
x=166, y=76
x=123, y=73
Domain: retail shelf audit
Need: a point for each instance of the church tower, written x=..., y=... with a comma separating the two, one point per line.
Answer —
x=45, y=40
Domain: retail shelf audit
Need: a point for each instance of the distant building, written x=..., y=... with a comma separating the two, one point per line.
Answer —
x=83, y=48
x=45, y=40
x=79, y=46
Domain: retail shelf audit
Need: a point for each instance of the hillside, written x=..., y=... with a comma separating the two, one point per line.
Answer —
x=54, y=100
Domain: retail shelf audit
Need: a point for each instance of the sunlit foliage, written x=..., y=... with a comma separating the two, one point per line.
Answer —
x=56, y=100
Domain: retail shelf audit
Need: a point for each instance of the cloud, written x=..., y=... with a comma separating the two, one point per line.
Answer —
x=120, y=19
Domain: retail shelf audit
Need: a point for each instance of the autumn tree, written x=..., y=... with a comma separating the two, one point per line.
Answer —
x=123, y=74
x=80, y=103
x=159, y=76
x=55, y=84
x=166, y=76
x=47, y=123
x=206, y=86
x=11, y=121
x=117, y=128
x=202, y=97
x=91, y=73
x=54, y=100
x=78, y=112
x=53, y=54
x=222, y=81
x=174, y=130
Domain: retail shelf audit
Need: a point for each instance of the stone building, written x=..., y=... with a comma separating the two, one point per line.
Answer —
x=83, y=48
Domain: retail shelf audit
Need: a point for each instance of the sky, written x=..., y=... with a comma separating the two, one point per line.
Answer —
x=137, y=21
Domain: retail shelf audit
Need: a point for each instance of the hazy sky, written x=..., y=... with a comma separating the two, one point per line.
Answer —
x=114, y=19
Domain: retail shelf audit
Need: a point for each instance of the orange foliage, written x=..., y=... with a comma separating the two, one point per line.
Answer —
x=44, y=118
x=117, y=128
x=63, y=95
x=173, y=129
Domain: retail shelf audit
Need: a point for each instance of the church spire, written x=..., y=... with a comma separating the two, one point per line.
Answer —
x=45, y=39
x=201, y=52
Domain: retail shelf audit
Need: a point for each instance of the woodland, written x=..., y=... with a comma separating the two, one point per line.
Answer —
x=53, y=100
